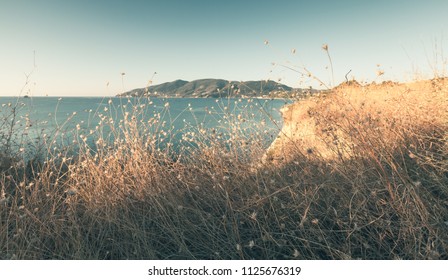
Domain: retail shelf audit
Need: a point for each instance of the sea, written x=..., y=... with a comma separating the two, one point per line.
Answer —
x=34, y=118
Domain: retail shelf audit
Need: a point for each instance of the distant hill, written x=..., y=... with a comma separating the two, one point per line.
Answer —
x=215, y=88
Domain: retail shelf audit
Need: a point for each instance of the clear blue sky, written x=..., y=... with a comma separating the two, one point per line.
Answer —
x=81, y=46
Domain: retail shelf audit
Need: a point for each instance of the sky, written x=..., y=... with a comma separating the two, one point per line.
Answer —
x=83, y=47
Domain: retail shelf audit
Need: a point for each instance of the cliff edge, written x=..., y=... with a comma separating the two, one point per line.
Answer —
x=351, y=119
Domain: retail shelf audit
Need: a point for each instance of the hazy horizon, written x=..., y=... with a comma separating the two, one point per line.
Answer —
x=81, y=48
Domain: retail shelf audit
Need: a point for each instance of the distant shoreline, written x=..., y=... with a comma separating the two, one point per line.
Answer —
x=159, y=97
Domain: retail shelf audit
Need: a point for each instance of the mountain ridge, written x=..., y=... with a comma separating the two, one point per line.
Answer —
x=203, y=88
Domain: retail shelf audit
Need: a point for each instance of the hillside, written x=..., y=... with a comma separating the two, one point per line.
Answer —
x=216, y=88
x=329, y=122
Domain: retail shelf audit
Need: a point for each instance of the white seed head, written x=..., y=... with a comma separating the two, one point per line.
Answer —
x=238, y=247
x=251, y=244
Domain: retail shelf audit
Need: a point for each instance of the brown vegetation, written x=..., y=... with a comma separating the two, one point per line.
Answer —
x=359, y=172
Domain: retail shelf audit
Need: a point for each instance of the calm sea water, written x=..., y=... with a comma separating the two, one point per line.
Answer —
x=43, y=115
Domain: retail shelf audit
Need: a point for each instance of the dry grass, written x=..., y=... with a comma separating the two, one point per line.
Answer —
x=360, y=172
x=378, y=154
